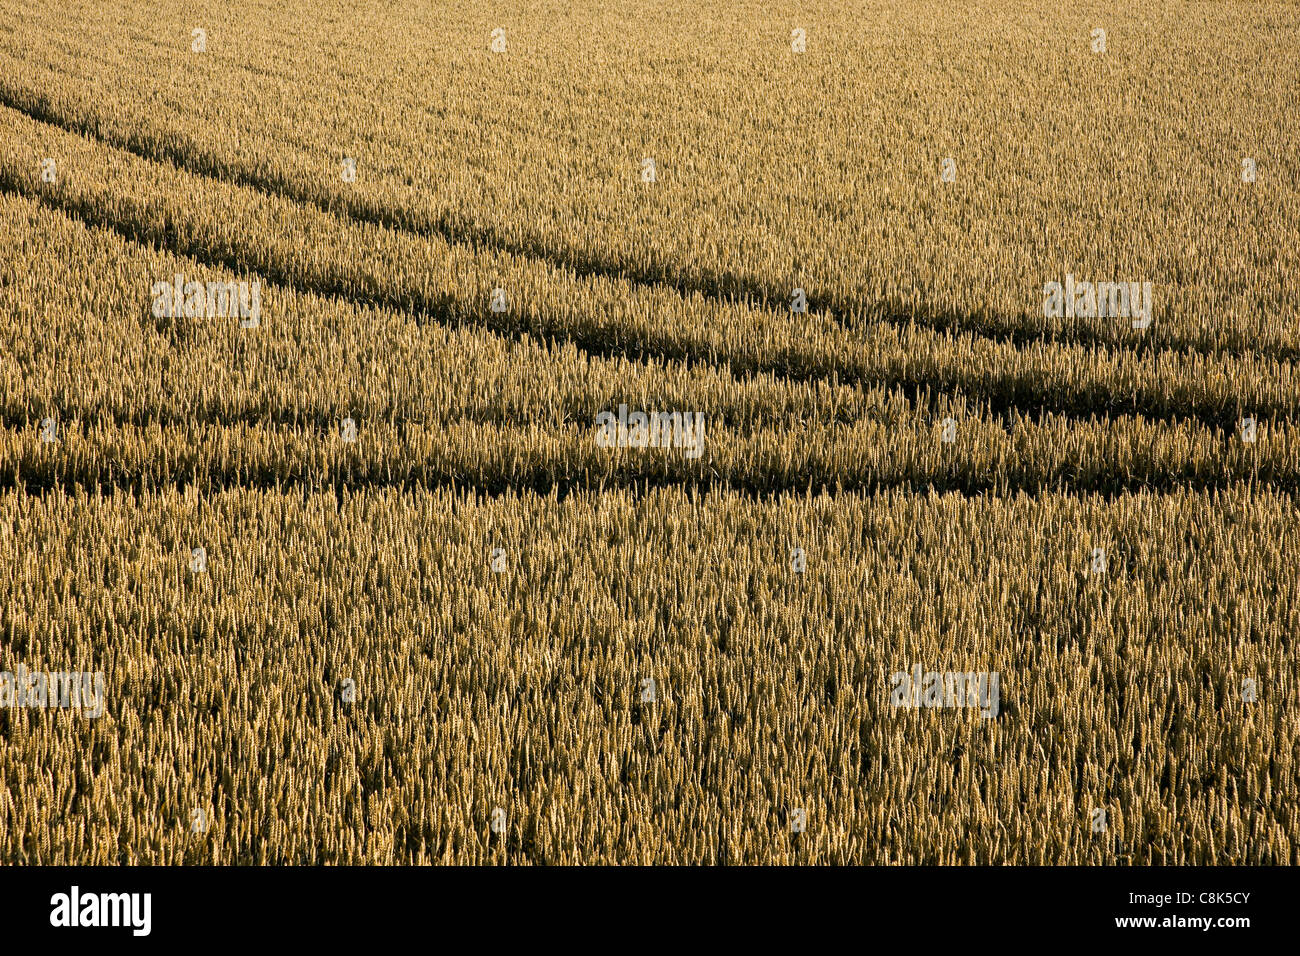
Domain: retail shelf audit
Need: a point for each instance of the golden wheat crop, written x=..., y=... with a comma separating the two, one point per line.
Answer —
x=362, y=581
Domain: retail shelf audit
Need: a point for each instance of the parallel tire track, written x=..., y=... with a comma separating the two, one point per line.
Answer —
x=998, y=396
x=192, y=158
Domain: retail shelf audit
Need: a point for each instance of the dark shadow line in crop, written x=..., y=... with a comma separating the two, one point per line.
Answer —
x=14, y=417
x=713, y=286
x=41, y=479
x=998, y=397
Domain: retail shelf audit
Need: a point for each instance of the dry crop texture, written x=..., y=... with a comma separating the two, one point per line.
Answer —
x=436, y=621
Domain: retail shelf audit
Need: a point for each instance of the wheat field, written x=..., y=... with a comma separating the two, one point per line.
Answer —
x=364, y=583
